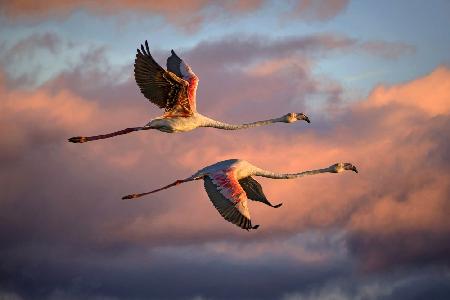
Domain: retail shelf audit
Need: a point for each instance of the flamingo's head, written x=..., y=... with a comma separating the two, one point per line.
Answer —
x=302, y=116
x=294, y=117
x=340, y=167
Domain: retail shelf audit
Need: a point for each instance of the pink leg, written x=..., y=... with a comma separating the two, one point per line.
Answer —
x=83, y=139
x=132, y=196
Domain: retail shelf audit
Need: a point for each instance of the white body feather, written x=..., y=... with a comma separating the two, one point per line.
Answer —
x=241, y=168
x=179, y=124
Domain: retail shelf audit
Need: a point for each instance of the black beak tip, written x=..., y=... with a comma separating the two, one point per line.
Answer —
x=76, y=139
x=302, y=116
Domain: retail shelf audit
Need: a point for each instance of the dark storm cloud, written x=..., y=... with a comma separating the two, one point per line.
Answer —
x=156, y=275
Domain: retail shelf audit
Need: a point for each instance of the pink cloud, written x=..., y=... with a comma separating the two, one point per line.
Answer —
x=396, y=141
x=401, y=189
x=429, y=93
x=322, y=201
x=319, y=9
x=187, y=14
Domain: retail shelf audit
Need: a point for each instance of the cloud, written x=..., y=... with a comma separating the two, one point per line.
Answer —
x=24, y=47
x=22, y=60
x=189, y=15
x=419, y=95
x=72, y=232
x=396, y=286
x=320, y=10
x=390, y=50
x=230, y=68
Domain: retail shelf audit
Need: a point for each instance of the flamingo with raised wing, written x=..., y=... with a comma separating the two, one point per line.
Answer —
x=175, y=90
x=229, y=184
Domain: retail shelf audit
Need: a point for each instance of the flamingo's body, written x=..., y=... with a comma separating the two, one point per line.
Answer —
x=229, y=184
x=175, y=90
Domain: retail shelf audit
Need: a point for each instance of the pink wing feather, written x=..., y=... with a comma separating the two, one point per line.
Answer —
x=229, y=198
x=177, y=66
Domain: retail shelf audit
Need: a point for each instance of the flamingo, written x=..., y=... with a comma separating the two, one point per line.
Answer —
x=175, y=90
x=229, y=184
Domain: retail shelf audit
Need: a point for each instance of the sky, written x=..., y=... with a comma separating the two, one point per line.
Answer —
x=373, y=76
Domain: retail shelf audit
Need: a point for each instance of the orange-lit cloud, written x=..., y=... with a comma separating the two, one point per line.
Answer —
x=429, y=93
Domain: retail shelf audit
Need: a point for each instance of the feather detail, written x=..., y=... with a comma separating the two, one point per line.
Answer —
x=254, y=191
x=228, y=198
x=163, y=88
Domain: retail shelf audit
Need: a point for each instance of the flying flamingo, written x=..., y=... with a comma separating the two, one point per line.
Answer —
x=229, y=184
x=175, y=91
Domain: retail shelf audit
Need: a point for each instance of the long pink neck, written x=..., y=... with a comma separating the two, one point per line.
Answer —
x=273, y=175
x=226, y=126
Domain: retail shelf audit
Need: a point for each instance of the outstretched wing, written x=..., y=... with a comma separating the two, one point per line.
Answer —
x=173, y=64
x=229, y=198
x=177, y=66
x=163, y=88
x=254, y=191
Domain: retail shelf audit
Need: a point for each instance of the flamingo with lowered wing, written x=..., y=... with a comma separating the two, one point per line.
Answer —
x=175, y=90
x=229, y=184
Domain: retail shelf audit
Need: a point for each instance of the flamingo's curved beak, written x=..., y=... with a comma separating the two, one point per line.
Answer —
x=302, y=116
x=350, y=167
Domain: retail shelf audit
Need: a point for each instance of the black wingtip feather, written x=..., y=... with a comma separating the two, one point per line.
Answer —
x=278, y=205
x=255, y=227
x=146, y=46
x=242, y=222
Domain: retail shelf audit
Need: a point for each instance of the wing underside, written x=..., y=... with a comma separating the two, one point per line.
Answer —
x=230, y=201
x=163, y=88
x=254, y=191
